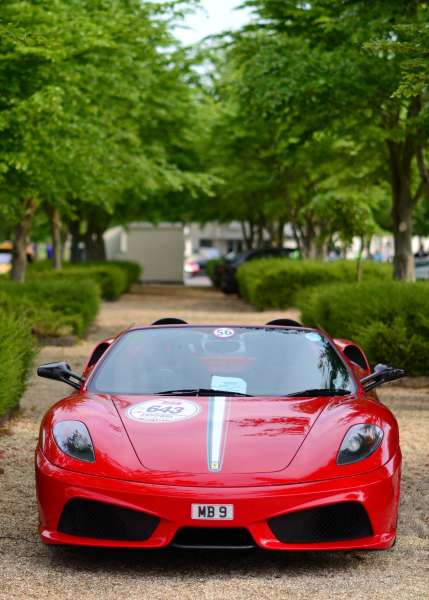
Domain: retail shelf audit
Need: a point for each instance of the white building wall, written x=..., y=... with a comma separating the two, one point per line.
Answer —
x=159, y=249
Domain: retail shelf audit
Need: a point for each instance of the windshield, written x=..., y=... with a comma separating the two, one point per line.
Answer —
x=258, y=361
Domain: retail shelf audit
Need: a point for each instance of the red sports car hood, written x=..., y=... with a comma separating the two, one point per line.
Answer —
x=228, y=435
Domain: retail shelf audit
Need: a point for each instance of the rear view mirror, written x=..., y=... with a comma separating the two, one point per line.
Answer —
x=382, y=374
x=60, y=371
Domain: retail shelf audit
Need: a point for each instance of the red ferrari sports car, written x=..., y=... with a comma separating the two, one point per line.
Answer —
x=220, y=436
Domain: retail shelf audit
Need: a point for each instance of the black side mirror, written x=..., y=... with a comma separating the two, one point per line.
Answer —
x=382, y=374
x=60, y=371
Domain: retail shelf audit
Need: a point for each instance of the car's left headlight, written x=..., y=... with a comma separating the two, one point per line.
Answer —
x=73, y=438
x=359, y=442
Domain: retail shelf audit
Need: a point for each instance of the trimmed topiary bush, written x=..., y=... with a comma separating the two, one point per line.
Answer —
x=132, y=269
x=211, y=266
x=113, y=277
x=52, y=307
x=111, y=280
x=275, y=283
x=390, y=320
x=17, y=349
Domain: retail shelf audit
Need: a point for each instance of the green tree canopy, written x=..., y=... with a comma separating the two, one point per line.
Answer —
x=95, y=112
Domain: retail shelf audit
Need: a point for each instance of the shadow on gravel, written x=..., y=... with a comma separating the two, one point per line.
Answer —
x=189, y=563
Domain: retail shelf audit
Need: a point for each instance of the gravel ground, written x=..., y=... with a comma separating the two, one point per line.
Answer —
x=30, y=570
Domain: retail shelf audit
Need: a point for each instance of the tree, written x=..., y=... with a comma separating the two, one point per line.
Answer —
x=79, y=135
x=316, y=61
x=277, y=168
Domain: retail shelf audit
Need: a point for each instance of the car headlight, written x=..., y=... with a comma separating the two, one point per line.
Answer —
x=359, y=442
x=73, y=438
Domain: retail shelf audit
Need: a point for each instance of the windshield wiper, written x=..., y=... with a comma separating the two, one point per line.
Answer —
x=322, y=392
x=200, y=392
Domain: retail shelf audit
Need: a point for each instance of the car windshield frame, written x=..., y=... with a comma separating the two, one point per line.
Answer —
x=90, y=387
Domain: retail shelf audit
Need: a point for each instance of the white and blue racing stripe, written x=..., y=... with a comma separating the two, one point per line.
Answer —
x=216, y=434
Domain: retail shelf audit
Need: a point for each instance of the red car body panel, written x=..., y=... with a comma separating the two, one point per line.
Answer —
x=378, y=491
x=264, y=432
x=280, y=456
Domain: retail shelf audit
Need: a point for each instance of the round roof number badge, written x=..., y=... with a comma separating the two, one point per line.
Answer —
x=223, y=332
x=163, y=411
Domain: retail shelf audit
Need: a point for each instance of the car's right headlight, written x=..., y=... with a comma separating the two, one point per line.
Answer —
x=359, y=442
x=72, y=437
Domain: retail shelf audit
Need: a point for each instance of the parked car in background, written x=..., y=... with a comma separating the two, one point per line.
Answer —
x=195, y=265
x=6, y=256
x=421, y=264
x=226, y=272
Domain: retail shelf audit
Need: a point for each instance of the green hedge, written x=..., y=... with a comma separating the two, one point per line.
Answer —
x=17, y=349
x=133, y=270
x=51, y=304
x=43, y=308
x=275, y=283
x=390, y=320
x=211, y=266
x=112, y=281
x=50, y=307
x=113, y=277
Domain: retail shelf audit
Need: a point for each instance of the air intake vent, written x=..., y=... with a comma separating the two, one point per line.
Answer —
x=345, y=521
x=214, y=538
x=87, y=518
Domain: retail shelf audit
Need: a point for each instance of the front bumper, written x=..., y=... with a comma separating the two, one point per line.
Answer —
x=377, y=492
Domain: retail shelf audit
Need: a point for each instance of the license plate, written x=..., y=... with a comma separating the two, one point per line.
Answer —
x=213, y=512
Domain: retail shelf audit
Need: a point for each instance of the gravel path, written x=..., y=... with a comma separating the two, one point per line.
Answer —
x=30, y=570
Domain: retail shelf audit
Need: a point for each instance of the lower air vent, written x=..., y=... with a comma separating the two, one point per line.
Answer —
x=213, y=538
x=88, y=518
x=345, y=521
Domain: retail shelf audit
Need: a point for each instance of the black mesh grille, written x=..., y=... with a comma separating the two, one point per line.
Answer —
x=87, y=518
x=345, y=521
x=213, y=537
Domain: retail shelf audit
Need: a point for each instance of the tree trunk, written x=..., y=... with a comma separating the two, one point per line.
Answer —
x=22, y=232
x=402, y=210
x=248, y=236
x=359, y=263
x=270, y=228
x=322, y=242
x=321, y=249
x=260, y=234
x=55, y=223
x=403, y=261
x=76, y=238
x=310, y=248
x=280, y=237
x=298, y=241
x=100, y=245
x=90, y=250
x=309, y=235
x=94, y=243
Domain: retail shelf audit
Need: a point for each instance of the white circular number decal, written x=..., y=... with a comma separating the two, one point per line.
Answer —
x=223, y=332
x=163, y=411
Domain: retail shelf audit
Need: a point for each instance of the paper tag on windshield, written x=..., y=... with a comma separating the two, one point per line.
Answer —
x=229, y=384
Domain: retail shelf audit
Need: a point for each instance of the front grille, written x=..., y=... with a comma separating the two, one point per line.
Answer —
x=213, y=537
x=88, y=518
x=335, y=522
